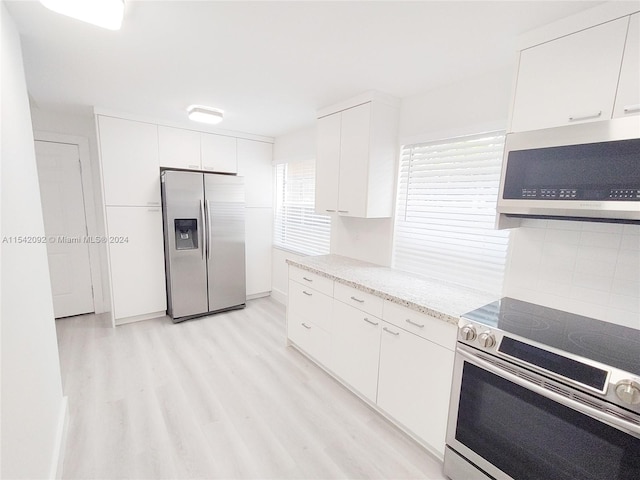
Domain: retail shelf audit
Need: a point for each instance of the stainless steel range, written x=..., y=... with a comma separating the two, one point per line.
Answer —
x=540, y=393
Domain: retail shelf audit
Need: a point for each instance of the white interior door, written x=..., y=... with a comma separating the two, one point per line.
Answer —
x=65, y=226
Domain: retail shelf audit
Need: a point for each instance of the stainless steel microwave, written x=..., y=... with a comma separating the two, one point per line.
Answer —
x=589, y=171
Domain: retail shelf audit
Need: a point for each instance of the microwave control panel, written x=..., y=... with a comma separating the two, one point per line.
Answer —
x=555, y=193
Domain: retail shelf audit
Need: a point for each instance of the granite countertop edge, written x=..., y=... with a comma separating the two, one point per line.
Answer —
x=418, y=307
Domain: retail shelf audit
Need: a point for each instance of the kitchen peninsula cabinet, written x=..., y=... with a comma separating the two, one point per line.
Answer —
x=397, y=359
x=571, y=79
x=355, y=158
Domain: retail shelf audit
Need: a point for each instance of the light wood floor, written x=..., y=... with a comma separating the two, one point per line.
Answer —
x=218, y=397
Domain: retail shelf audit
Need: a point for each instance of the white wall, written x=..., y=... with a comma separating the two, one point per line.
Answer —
x=33, y=408
x=471, y=106
x=591, y=269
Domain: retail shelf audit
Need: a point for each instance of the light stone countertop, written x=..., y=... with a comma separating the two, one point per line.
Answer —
x=431, y=297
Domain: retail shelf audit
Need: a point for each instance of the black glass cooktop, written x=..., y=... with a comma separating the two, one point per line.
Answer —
x=600, y=341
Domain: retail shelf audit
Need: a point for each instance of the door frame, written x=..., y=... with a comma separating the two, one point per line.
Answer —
x=90, y=212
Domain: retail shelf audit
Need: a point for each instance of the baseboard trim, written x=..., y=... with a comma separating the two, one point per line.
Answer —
x=253, y=296
x=57, y=460
x=279, y=296
x=140, y=318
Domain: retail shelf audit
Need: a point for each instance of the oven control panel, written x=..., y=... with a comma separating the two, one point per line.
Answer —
x=477, y=336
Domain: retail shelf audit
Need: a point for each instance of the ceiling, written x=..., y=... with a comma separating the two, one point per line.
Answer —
x=268, y=65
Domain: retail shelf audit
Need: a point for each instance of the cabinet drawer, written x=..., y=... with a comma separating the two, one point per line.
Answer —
x=309, y=305
x=312, y=280
x=312, y=339
x=432, y=329
x=357, y=298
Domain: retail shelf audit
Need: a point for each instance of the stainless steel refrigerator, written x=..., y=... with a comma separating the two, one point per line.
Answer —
x=203, y=217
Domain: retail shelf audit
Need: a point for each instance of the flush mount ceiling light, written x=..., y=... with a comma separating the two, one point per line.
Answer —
x=103, y=13
x=200, y=113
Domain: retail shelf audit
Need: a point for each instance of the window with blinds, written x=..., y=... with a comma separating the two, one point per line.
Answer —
x=296, y=226
x=446, y=208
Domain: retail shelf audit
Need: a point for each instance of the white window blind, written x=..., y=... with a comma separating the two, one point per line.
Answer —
x=447, y=193
x=297, y=227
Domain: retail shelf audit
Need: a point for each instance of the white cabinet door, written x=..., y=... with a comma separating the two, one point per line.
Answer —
x=179, y=148
x=129, y=156
x=328, y=163
x=137, y=260
x=219, y=153
x=628, y=97
x=569, y=80
x=258, y=243
x=355, y=340
x=414, y=383
x=254, y=164
x=354, y=161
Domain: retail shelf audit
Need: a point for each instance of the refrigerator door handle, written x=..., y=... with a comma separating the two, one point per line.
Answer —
x=208, y=227
x=202, y=227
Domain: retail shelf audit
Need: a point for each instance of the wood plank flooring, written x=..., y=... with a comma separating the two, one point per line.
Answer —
x=218, y=397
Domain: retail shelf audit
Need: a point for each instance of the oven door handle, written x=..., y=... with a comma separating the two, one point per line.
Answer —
x=615, y=422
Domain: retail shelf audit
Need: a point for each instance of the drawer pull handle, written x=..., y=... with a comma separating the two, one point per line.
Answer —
x=357, y=300
x=631, y=108
x=574, y=118
x=369, y=321
x=307, y=279
x=391, y=331
x=408, y=320
x=343, y=211
x=330, y=211
x=194, y=166
x=153, y=203
x=307, y=293
x=306, y=326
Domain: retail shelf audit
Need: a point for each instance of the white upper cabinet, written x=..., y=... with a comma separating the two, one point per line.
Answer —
x=129, y=157
x=571, y=79
x=218, y=153
x=328, y=163
x=254, y=164
x=355, y=161
x=179, y=148
x=628, y=98
x=191, y=150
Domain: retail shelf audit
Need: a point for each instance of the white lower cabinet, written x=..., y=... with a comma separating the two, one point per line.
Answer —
x=308, y=319
x=136, y=254
x=414, y=383
x=403, y=366
x=355, y=342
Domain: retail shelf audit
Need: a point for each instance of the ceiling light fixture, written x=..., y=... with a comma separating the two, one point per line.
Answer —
x=200, y=113
x=103, y=13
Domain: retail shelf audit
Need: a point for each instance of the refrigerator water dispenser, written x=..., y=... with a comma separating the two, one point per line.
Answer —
x=186, y=230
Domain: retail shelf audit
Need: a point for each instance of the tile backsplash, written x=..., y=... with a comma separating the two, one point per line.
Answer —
x=590, y=269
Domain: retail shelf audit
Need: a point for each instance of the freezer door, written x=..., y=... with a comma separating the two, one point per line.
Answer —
x=224, y=209
x=184, y=231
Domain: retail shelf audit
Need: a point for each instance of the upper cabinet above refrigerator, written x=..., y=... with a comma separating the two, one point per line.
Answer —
x=192, y=150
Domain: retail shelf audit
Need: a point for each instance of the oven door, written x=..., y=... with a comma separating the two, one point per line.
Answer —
x=509, y=425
